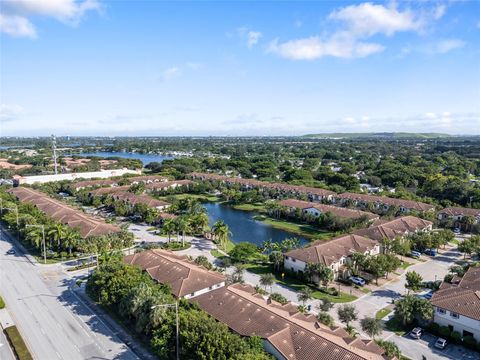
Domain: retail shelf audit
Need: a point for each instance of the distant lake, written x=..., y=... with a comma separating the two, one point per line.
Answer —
x=244, y=227
x=144, y=158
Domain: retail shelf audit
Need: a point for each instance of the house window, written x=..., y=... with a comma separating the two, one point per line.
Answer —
x=286, y=257
x=441, y=311
x=192, y=294
x=210, y=288
x=454, y=315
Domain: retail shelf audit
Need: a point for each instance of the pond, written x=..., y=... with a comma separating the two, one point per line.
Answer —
x=144, y=158
x=244, y=227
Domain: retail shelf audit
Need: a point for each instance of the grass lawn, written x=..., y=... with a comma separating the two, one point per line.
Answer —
x=382, y=313
x=216, y=253
x=365, y=290
x=405, y=264
x=304, y=230
x=395, y=326
x=259, y=207
x=259, y=269
x=16, y=340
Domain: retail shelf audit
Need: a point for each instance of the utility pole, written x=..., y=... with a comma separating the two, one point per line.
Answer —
x=54, y=149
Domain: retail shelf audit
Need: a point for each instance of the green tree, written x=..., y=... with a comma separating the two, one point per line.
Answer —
x=276, y=257
x=221, y=232
x=408, y=307
x=325, y=305
x=267, y=280
x=183, y=226
x=305, y=294
x=325, y=318
x=413, y=281
x=169, y=226
x=347, y=313
x=320, y=271
x=371, y=326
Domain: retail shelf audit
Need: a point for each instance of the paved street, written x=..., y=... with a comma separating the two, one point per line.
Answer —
x=54, y=324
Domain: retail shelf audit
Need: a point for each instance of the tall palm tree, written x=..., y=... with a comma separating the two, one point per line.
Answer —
x=276, y=257
x=34, y=235
x=199, y=222
x=183, y=226
x=169, y=227
x=71, y=239
x=57, y=233
x=221, y=232
x=267, y=280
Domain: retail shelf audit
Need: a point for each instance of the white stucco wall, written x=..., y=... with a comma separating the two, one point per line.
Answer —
x=293, y=264
x=459, y=324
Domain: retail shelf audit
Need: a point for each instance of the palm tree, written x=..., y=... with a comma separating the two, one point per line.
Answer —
x=34, y=235
x=182, y=226
x=267, y=280
x=199, y=222
x=276, y=257
x=221, y=232
x=169, y=227
x=305, y=295
x=71, y=239
x=322, y=272
x=57, y=233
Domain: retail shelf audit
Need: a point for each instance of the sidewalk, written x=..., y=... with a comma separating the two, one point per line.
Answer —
x=114, y=327
x=6, y=352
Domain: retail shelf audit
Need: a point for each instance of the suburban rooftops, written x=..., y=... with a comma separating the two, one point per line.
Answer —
x=293, y=334
x=87, y=225
x=455, y=211
x=408, y=204
x=393, y=228
x=461, y=297
x=183, y=275
x=332, y=251
x=335, y=210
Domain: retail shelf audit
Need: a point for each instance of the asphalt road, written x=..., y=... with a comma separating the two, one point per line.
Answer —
x=54, y=324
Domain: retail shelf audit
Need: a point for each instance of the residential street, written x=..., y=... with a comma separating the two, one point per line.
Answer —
x=53, y=323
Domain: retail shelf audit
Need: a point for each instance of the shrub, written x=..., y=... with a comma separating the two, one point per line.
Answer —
x=456, y=337
x=470, y=342
x=279, y=298
x=2, y=303
x=444, y=332
x=325, y=318
x=433, y=327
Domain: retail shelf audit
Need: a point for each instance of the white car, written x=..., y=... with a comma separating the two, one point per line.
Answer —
x=440, y=343
x=416, y=333
x=357, y=280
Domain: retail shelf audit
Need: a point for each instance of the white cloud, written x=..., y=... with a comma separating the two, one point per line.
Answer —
x=171, y=73
x=340, y=45
x=253, y=37
x=15, y=14
x=10, y=112
x=368, y=19
x=444, y=46
x=194, y=65
x=17, y=26
x=358, y=23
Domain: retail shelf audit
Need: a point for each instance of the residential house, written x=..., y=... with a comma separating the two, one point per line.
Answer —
x=457, y=304
x=316, y=209
x=457, y=215
x=334, y=254
x=185, y=278
x=382, y=203
x=391, y=229
x=286, y=333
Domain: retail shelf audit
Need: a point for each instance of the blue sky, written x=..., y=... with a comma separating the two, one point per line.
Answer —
x=93, y=67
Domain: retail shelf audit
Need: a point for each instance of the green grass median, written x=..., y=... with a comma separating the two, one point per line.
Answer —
x=17, y=343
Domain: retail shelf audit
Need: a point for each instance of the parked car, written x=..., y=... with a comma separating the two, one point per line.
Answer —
x=456, y=231
x=11, y=252
x=428, y=295
x=416, y=333
x=415, y=254
x=440, y=343
x=357, y=280
x=430, y=252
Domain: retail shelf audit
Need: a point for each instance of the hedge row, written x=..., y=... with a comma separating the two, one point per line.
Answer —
x=17, y=343
x=454, y=336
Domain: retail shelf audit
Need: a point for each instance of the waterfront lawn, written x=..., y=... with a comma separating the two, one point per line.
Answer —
x=258, y=207
x=304, y=230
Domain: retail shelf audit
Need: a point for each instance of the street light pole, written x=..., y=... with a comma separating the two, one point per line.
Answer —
x=177, y=338
x=43, y=236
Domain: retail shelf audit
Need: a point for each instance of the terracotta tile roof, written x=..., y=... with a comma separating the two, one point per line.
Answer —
x=332, y=251
x=297, y=189
x=397, y=227
x=295, y=336
x=147, y=178
x=455, y=211
x=87, y=225
x=409, y=204
x=183, y=275
x=335, y=210
x=91, y=183
x=462, y=297
x=109, y=190
x=168, y=184
x=133, y=199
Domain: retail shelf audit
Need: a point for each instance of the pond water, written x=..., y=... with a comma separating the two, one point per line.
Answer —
x=144, y=158
x=244, y=227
